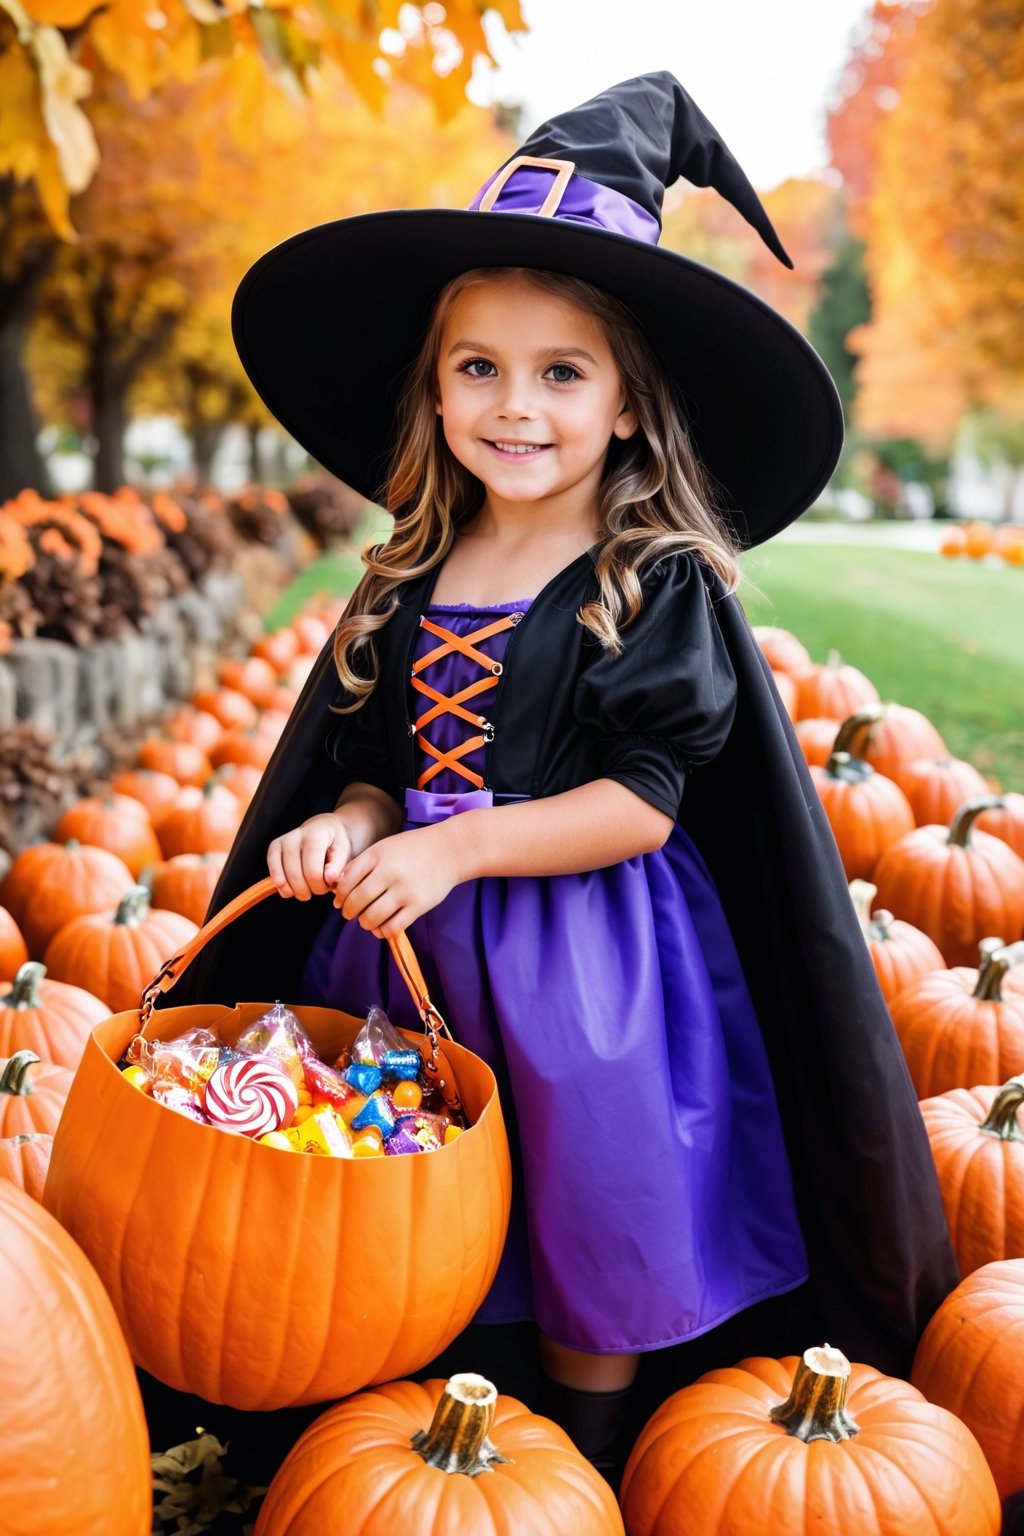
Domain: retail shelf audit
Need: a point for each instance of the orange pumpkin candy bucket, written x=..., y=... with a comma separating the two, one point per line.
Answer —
x=267, y=1279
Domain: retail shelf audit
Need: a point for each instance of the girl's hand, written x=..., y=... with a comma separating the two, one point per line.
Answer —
x=396, y=880
x=309, y=860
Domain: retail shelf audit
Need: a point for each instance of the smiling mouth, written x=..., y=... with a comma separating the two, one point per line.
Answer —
x=517, y=450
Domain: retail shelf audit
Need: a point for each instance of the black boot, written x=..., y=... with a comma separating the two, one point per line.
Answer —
x=594, y=1422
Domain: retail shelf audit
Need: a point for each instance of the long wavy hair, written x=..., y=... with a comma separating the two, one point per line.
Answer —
x=655, y=497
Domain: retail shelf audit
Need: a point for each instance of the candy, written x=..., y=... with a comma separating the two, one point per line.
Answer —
x=407, y=1095
x=375, y=1112
x=278, y=1033
x=138, y=1077
x=251, y=1097
x=401, y=1141
x=322, y=1134
x=377, y=1036
x=404, y=1065
x=278, y=1139
x=452, y=1133
x=364, y=1077
x=184, y=1102
x=428, y=1130
x=369, y=1144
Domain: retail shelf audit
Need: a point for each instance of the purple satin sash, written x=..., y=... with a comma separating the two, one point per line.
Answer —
x=423, y=807
x=583, y=202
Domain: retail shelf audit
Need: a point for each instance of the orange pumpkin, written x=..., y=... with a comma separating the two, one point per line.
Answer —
x=953, y=543
x=242, y=779
x=963, y=1026
x=74, y=1448
x=300, y=669
x=13, y=949
x=254, y=677
x=978, y=1147
x=234, y=711
x=115, y=822
x=47, y=1016
x=370, y=1466
x=183, y=760
x=202, y=821
x=791, y=1446
x=955, y=884
x=817, y=737
x=978, y=539
x=250, y=747
x=889, y=735
x=900, y=952
x=787, y=691
x=1006, y=821
x=186, y=882
x=937, y=787
x=195, y=727
x=157, y=792
x=50, y=883
x=866, y=811
x=280, y=647
x=969, y=1361
x=24, y=1161
x=312, y=634
x=833, y=689
x=32, y=1094
x=782, y=650
x=130, y=1179
x=116, y=954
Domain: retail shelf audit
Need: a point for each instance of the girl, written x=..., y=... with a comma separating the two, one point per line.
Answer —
x=555, y=757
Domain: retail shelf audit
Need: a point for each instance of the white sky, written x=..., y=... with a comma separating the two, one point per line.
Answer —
x=762, y=70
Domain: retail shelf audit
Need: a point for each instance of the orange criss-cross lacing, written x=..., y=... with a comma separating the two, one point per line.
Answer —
x=442, y=704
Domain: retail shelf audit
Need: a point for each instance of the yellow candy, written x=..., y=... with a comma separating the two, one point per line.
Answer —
x=452, y=1133
x=302, y=1114
x=407, y=1095
x=276, y=1139
x=138, y=1077
x=368, y=1144
x=351, y=1107
x=320, y=1133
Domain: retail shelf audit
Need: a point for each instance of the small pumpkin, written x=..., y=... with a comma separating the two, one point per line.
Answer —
x=956, y=884
x=812, y=1444
x=234, y=711
x=833, y=689
x=50, y=883
x=280, y=647
x=116, y=954
x=185, y=883
x=74, y=1448
x=13, y=949
x=786, y=688
x=242, y=779
x=817, y=737
x=24, y=1160
x=157, y=792
x=978, y=1147
x=250, y=747
x=312, y=634
x=782, y=650
x=971, y=1360
x=937, y=787
x=47, y=1016
x=194, y=726
x=115, y=822
x=889, y=735
x=866, y=811
x=1006, y=821
x=254, y=677
x=953, y=543
x=183, y=760
x=32, y=1094
x=978, y=539
x=201, y=821
x=420, y=1456
x=900, y=952
x=963, y=1026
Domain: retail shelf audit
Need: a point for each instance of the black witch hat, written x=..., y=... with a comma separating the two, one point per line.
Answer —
x=327, y=323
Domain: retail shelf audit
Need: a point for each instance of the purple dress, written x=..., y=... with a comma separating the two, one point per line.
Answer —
x=653, y=1196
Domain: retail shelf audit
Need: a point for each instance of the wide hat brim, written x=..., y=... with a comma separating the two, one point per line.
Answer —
x=327, y=323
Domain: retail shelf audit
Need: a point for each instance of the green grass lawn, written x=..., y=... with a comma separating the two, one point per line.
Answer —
x=946, y=636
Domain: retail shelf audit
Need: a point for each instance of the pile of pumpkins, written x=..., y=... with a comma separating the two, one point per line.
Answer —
x=978, y=539
x=937, y=879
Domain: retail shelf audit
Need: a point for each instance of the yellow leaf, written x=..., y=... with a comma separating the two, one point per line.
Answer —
x=26, y=151
x=357, y=60
x=147, y=43
x=64, y=84
x=60, y=13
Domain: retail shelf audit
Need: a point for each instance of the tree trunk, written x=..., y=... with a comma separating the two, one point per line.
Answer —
x=21, y=463
x=205, y=438
x=109, y=424
x=255, y=457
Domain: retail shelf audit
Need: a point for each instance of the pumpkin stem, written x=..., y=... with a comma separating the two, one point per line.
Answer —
x=24, y=991
x=133, y=906
x=457, y=1438
x=858, y=728
x=14, y=1073
x=852, y=770
x=816, y=1407
x=862, y=894
x=963, y=822
x=995, y=959
x=1002, y=1117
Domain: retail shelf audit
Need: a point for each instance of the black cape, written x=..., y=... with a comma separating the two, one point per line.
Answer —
x=688, y=717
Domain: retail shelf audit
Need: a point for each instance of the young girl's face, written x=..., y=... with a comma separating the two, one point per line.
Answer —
x=530, y=395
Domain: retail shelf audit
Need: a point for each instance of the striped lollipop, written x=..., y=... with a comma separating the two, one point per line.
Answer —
x=251, y=1096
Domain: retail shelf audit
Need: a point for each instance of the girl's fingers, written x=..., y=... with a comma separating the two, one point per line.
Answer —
x=397, y=923
x=355, y=870
x=275, y=868
x=378, y=912
x=337, y=855
x=370, y=889
x=294, y=866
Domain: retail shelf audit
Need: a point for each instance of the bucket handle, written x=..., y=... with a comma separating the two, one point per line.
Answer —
x=401, y=949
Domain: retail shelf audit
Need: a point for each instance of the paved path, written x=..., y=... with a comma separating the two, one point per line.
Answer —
x=925, y=534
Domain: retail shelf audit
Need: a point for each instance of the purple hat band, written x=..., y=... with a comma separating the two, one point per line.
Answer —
x=552, y=189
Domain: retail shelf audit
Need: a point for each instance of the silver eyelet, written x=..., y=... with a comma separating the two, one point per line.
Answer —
x=497, y=669
x=489, y=733
x=516, y=618
x=410, y=728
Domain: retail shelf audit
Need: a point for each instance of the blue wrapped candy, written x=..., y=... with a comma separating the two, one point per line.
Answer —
x=403, y=1065
x=364, y=1077
x=376, y=1113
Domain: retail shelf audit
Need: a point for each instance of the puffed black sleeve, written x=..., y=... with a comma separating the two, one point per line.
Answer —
x=357, y=743
x=667, y=702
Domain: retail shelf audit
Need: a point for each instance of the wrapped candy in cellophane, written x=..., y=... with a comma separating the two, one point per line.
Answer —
x=375, y=1100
